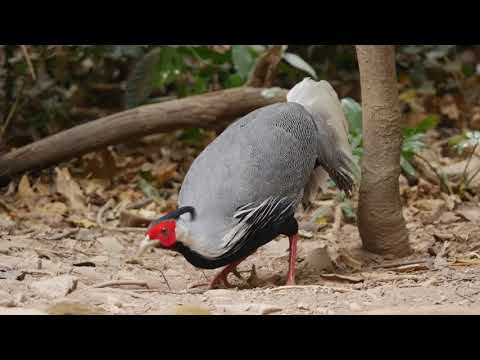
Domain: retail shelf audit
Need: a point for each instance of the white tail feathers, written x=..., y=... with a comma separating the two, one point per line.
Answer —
x=320, y=98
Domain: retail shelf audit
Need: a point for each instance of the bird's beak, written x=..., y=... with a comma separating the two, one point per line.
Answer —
x=145, y=245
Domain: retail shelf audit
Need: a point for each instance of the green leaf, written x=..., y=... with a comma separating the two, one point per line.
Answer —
x=412, y=144
x=347, y=209
x=471, y=139
x=430, y=122
x=192, y=136
x=353, y=113
x=300, y=64
x=407, y=166
x=233, y=81
x=454, y=141
x=243, y=60
x=148, y=189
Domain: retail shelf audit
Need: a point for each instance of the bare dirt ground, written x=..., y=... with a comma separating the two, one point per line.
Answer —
x=83, y=274
x=61, y=250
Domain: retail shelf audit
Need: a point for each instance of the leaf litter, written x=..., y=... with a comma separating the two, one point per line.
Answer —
x=58, y=247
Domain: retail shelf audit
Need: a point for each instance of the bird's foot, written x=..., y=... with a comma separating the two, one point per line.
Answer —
x=221, y=279
x=238, y=274
x=291, y=282
x=214, y=284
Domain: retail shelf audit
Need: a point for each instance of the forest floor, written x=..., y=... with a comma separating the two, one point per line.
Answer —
x=65, y=249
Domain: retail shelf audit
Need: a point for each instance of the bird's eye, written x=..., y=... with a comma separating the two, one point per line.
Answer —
x=164, y=231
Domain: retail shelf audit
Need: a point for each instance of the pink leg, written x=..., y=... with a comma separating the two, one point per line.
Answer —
x=223, y=275
x=292, y=260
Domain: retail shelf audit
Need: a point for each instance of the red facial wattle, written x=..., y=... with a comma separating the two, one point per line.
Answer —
x=163, y=232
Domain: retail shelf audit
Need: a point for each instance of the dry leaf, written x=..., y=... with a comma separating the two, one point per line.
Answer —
x=6, y=222
x=164, y=173
x=67, y=187
x=65, y=308
x=346, y=259
x=55, y=287
x=42, y=189
x=53, y=213
x=81, y=222
x=191, y=310
x=25, y=191
x=133, y=219
x=111, y=244
x=471, y=213
x=318, y=259
x=101, y=164
x=449, y=108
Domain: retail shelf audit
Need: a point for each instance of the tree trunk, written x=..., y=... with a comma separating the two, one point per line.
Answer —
x=381, y=223
x=204, y=111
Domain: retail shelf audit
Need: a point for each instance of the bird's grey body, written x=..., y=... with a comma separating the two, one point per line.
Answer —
x=258, y=167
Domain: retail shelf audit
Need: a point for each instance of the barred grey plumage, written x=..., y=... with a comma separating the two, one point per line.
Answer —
x=257, y=170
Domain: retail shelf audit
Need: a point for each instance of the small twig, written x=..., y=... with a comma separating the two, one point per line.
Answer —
x=121, y=283
x=205, y=276
x=443, y=181
x=154, y=268
x=312, y=287
x=385, y=278
x=463, y=296
x=29, y=61
x=11, y=114
x=469, y=160
x=159, y=291
x=83, y=252
x=266, y=67
x=102, y=225
x=6, y=206
x=139, y=204
x=100, y=214
x=469, y=181
x=62, y=235
x=338, y=219
x=400, y=263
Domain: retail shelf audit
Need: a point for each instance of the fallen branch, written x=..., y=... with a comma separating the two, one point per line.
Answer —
x=210, y=110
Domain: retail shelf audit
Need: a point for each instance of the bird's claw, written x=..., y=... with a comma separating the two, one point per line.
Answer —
x=237, y=274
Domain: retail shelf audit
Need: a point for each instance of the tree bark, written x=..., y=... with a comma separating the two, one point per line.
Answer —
x=381, y=223
x=205, y=111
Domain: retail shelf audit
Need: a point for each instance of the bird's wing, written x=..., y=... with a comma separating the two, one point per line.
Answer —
x=253, y=218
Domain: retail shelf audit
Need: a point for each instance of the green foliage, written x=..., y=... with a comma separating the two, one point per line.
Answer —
x=145, y=185
x=193, y=70
x=412, y=144
x=413, y=137
x=243, y=59
x=468, y=140
x=353, y=113
x=300, y=64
